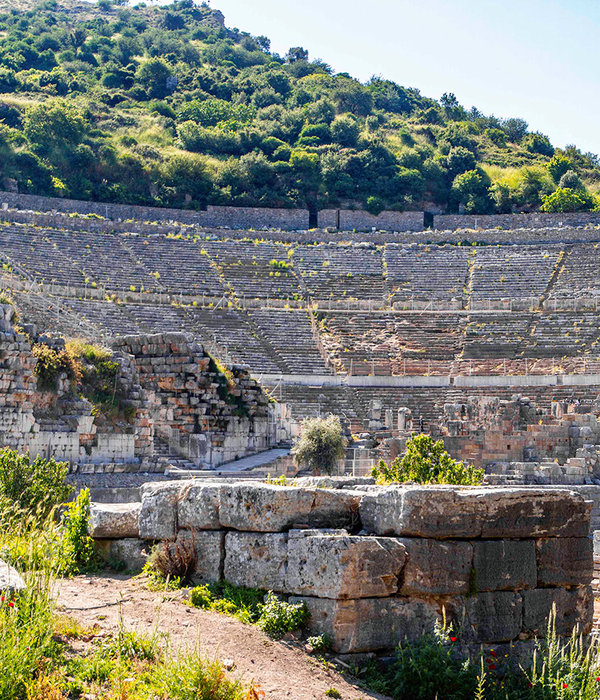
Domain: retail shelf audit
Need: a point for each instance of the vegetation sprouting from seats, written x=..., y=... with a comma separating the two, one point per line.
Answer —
x=427, y=462
x=165, y=105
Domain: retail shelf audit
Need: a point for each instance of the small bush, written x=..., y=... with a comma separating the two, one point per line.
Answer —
x=319, y=644
x=321, y=444
x=427, y=462
x=174, y=560
x=51, y=364
x=244, y=603
x=35, y=487
x=279, y=617
x=78, y=551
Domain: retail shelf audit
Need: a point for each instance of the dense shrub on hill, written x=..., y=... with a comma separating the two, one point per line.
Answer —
x=160, y=105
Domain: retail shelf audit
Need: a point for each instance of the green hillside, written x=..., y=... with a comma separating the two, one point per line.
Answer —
x=167, y=106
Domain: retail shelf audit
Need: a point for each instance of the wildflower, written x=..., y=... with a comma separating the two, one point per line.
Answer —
x=11, y=604
x=564, y=685
x=492, y=667
x=493, y=653
x=453, y=639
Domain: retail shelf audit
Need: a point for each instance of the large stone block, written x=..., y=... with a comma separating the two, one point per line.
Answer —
x=451, y=512
x=490, y=617
x=504, y=565
x=370, y=624
x=565, y=561
x=256, y=560
x=435, y=567
x=573, y=608
x=342, y=566
x=158, y=514
x=417, y=511
x=114, y=520
x=526, y=512
x=131, y=553
x=210, y=553
x=268, y=508
x=198, y=508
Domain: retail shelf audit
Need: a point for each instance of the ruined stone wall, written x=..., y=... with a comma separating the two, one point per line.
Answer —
x=203, y=414
x=17, y=383
x=514, y=221
x=377, y=565
x=229, y=217
x=360, y=220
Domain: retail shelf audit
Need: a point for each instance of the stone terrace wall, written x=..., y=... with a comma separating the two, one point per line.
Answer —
x=376, y=565
x=513, y=221
x=232, y=217
x=351, y=219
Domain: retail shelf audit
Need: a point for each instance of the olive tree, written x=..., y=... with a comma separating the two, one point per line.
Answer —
x=321, y=444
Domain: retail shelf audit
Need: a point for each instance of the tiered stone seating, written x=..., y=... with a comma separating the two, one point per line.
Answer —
x=182, y=265
x=109, y=318
x=384, y=343
x=563, y=334
x=341, y=271
x=291, y=336
x=494, y=335
x=512, y=272
x=105, y=260
x=307, y=401
x=40, y=259
x=426, y=272
x=228, y=330
x=579, y=276
x=256, y=269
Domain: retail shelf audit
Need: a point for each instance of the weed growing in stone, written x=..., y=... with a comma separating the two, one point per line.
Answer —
x=274, y=616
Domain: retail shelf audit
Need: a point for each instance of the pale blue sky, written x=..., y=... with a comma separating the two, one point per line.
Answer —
x=535, y=59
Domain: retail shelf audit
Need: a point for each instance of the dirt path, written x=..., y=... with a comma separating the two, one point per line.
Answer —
x=282, y=670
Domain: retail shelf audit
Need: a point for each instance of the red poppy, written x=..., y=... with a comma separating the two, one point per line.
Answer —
x=493, y=653
x=453, y=639
x=492, y=667
x=565, y=685
x=11, y=604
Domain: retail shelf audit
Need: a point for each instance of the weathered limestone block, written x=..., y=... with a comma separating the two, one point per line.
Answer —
x=210, y=553
x=519, y=512
x=130, y=552
x=158, y=514
x=267, y=508
x=492, y=616
x=573, y=607
x=504, y=565
x=256, y=560
x=442, y=512
x=342, y=566
x=435, y=567
x=564, y=561
x=115, y=520
x=11, y=581
x=436, y=512
x=198, y=508
x=369, y=624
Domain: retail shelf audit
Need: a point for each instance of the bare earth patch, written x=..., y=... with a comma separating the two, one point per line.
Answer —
x=282, y=669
